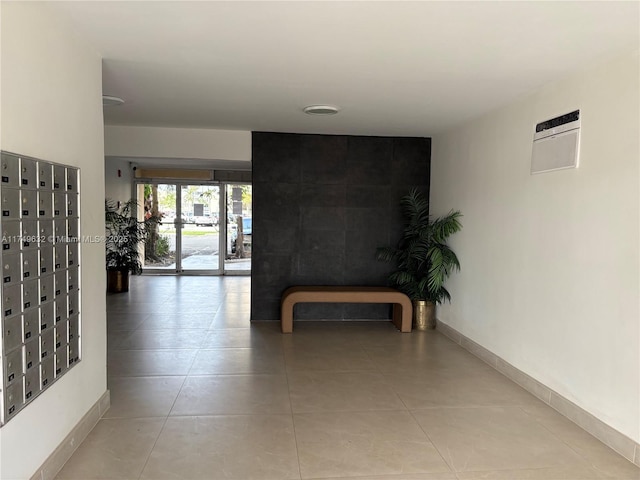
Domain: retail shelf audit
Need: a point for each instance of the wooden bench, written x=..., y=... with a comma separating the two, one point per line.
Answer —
x=402, y=307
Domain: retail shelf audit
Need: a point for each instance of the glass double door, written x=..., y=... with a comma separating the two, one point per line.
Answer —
x=192, y=231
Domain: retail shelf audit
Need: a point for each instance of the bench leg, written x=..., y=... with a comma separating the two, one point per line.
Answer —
x=402, y=317
x=286, y=317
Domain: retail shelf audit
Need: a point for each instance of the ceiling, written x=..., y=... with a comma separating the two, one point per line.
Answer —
x=394, y=68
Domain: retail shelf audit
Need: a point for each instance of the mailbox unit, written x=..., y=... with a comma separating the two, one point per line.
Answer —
x=40, y=315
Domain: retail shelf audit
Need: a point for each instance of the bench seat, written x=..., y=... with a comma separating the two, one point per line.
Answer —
x=402, y=307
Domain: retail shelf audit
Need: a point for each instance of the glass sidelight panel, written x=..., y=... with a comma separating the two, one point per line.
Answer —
x=239, y=228
x=160, y=248
x=200, y=233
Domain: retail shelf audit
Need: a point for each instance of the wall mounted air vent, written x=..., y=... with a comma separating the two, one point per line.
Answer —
x=556, y=143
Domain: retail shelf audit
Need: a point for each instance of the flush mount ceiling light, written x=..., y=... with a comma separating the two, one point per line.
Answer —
x=321, y=110
x=111, y=101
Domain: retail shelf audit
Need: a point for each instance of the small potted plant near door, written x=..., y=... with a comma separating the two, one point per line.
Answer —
x=423, y=258
x=124, y=236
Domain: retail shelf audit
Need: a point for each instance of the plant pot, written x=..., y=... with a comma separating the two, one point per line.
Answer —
x=424, y=315
x=117, y=281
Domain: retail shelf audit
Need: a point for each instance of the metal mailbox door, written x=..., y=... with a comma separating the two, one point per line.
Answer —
x=59, y=177
x=32, y=353
x=62, y=360
x=10, y=236
x=47, y=316
x=59, y=204
x=72, y=254
x=60, y=281
x=31, y=384
x=72, y=180
x=47, y=344
x=12, y=332
x=61, y=308
x=11, y=269
x=28, y=173
x=74, y=328
x=11, y=300
x=74, y=303
x=46, y=259
x=9, y=169
x=13, y=400
x=45, y=204
x=60, y=230
x=10, y=200
x=60, y=255
x=72, y=205
x=73, y=228
x=73, y=279
x=74, y=351
x=46, y=289
x=45, y=176
x=29, y=203
x=62, y=334
x=29, y=234
x=46, y=372
x=30, y=294
x=30, y=324
x=30, y=264
x=13, y=366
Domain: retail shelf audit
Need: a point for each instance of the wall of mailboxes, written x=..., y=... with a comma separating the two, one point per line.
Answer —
x=40, y=312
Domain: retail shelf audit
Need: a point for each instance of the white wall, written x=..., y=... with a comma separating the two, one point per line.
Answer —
x=162, y=142
x=51, y=109
x=550, y=262
x=117, y=188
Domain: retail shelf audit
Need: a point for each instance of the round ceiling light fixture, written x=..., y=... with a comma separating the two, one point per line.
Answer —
x=321, y=110
x=111, y=101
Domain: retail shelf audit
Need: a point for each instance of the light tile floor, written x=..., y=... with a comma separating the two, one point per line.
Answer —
x=197, y=392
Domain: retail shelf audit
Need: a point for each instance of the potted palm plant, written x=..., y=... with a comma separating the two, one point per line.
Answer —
x=124, y=235
x=423, y=258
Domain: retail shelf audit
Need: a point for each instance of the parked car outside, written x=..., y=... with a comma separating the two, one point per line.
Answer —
x=204, y=221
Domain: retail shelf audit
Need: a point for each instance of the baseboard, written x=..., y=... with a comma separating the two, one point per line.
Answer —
x=54, y=463
x=615, y=440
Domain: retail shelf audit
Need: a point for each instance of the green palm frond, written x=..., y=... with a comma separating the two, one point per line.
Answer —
x=124, y=233
x=424, y=260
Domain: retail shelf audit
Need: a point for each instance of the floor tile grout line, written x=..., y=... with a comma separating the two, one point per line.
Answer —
x=293, y=422
x=146, y=462
x=451, y=468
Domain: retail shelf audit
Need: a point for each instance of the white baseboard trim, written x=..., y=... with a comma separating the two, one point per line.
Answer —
x=615, y=440
x=54, y=463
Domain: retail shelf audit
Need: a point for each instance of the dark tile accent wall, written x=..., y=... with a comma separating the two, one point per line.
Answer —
x=322, y=204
